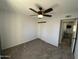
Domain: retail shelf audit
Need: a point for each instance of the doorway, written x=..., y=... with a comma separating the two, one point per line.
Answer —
x=67, y=33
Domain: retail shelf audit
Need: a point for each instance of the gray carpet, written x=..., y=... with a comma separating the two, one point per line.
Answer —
x=38, y=49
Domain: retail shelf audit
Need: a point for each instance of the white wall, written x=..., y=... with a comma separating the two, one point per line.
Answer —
x=16, y=29
x=49, y=31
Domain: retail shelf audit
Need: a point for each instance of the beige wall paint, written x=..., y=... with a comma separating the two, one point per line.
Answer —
x=16, y=29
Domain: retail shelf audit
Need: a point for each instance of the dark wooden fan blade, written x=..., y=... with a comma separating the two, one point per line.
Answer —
x=48, y=10
x=48, y=15
x=33, y=10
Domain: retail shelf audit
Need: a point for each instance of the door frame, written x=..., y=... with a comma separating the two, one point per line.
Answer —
x=76, y=39
x=76, y=19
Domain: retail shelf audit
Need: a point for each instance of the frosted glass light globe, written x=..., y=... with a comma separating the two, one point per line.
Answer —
x=40, y=16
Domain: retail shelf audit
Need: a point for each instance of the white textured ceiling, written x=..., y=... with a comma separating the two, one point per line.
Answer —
x=64, y=6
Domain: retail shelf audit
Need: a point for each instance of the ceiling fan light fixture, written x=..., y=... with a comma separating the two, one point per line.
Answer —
x=40, y=16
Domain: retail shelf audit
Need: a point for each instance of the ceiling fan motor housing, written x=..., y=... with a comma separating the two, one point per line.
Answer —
x=40, y=12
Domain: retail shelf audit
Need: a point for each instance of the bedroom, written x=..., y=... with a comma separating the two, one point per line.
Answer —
x=17, y=26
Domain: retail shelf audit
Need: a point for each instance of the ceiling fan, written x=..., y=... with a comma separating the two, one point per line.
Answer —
x=41, y=13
